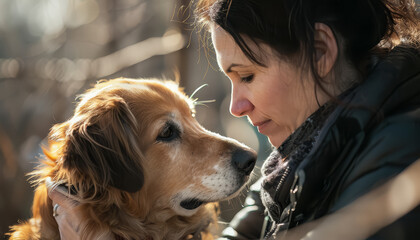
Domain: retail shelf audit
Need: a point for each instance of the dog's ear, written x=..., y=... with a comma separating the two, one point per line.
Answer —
x=102, y=144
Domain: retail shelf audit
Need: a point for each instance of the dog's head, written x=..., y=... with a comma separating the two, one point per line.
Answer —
x=132, y=140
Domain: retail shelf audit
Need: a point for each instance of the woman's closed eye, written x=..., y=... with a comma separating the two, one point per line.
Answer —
x=247, y=78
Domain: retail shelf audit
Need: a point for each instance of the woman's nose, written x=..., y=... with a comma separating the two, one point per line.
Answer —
x=239, y=105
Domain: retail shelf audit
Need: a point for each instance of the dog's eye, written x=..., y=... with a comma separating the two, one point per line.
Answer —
x=169, y=132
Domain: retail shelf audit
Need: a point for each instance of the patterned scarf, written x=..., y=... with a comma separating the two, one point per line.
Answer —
x=279, y=168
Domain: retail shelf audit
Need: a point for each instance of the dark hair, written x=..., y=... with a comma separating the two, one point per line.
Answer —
x=362, y=27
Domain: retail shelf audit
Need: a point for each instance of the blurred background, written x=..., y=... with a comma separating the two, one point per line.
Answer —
x=53, y=50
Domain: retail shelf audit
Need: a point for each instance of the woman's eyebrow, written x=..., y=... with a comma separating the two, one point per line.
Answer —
x=229, y=69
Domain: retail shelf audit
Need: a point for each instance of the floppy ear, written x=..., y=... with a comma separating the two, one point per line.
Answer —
x=102, y=145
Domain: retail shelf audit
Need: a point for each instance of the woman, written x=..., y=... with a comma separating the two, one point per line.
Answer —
x=334, y=90
x=335, y=86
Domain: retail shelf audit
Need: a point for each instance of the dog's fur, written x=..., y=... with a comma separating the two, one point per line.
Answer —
x=134, y=153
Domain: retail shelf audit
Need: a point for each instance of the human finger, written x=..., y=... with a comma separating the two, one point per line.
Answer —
x=59, y=194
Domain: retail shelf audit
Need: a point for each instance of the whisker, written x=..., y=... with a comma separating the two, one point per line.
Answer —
x=203, y=102
x=198, y=89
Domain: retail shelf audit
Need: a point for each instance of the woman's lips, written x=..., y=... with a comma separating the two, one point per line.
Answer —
x=261, y=126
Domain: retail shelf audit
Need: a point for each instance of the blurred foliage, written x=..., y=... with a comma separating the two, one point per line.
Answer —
x=51, y=50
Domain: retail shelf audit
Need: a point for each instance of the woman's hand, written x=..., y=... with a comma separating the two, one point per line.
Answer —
x=66, y=215
x=69, y=217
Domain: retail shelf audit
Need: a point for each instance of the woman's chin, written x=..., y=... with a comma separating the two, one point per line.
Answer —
x=277, y=140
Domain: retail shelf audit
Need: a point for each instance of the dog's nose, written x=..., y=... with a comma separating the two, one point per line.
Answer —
x=244, y=160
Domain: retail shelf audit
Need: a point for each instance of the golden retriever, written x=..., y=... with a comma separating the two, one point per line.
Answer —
x=140, y=163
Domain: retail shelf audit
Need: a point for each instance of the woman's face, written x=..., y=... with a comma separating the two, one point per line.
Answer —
x=276, y=98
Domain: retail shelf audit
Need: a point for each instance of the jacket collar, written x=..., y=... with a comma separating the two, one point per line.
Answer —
x=392, y=83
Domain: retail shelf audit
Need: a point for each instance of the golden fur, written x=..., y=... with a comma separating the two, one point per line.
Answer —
x=147, y=128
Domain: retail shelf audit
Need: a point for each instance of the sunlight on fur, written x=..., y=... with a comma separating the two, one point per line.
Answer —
x=140, y=163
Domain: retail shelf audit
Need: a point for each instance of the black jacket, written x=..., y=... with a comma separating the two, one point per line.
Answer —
x=361, y=145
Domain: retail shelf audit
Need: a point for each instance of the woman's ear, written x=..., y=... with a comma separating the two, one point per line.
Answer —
x=326, y=50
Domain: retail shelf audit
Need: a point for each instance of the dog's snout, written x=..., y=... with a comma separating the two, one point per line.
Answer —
x=244, y=160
